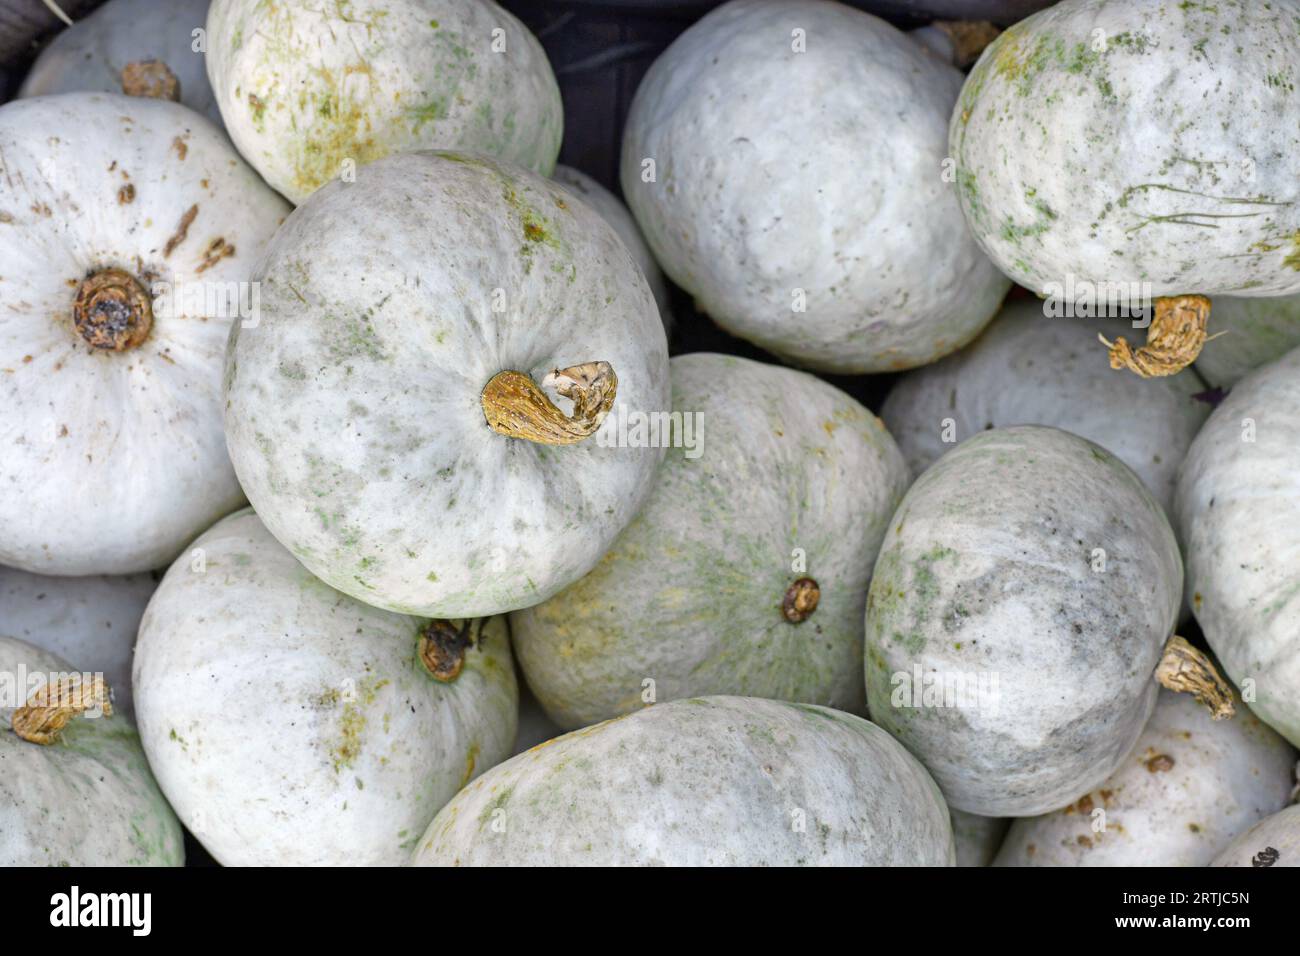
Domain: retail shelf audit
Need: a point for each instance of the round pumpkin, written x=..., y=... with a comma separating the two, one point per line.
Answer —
x=91, y=620
x=291, y=725
x=746, y=571
x=310, y=91
x=977, y=838
x=712, y=781
x=1240, y=518
x=785, y=162
x=1272, y=842
x=389, y=417
x=1081, y=164
x=1254, y=332
x=1017, y=611
x=615, y=213
x=75, y=789
x=113, y=326
x=1189, y=786
x=1031, y=369
x=137, y=47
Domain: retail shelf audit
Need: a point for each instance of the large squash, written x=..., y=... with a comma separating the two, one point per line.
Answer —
x=1249, y=333
x=388, y=417
x=1272, y=842
x=291, y=725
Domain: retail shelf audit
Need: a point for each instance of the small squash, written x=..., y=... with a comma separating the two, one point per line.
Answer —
x=91, y=620
x=1249, y=333
x=137, y=47
x=785, y=162
x=1271, y=842
x=712, y=781
x=1190, y=785
x=128, y=229
x=75, y=789
x=1152, y=149
x=388, y=417
x=310, y=91
x=746, y=571
x=1017, y=612
x=1240, y=517
x=291, y=725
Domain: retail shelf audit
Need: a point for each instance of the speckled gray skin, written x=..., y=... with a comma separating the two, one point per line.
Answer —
x=86, y=800
x=1031, y=369
x=712, y=781
x=91, y=620
x=690, y=595
x=353, y=409
x=290, y=725
x=977, y=838
x=90, y=54
x=989, y=582
x=1257, y=332
x=1188, y=788
x=308, y=88
x=819, y=170
x=1274, y=842
x=1237, y=505
x=1138, y=141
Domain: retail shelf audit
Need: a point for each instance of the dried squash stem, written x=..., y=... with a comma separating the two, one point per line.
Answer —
x=1184, y=668
x=515, y=406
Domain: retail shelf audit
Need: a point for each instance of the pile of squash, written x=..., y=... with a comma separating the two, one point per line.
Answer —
x=355, y=512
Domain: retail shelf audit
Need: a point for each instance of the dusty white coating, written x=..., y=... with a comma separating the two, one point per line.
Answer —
x=1273, y=842
x=86, y=800
x=1238, y=507
x=291, y=725
x=113, y=461
x=1190, y=785
x=788, y=478
x=354, y=413
x=1033, y=581
x=711, y=781
x=90, y=54
x=821, y=171
x=1138, y=141
x=1255, y=332
x=90, y=620
x=310, y=91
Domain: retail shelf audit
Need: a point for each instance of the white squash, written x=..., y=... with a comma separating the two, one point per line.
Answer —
x=1238, y=505
x=1017, y=612
x=713, y=781
x=1190, y=785
x=784, y=161
x=128, y=228
x=90, y=620
x=1082, y=163
x=1273, y=842
x=746, y=571
x=84, y=796
x=615, y=213
x=399, y=313
x=290, y=725
x=310, y=91
x=1254, y=332
x=977, y=838
x=1031, y=369
x=138, y=47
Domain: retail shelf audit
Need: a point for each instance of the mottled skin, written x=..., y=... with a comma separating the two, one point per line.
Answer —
x=977, y=838
x=113, y=461
x=712, y=781
x=615, y=213
x=90, y=54
x=307, y=87
x=353, y=410
x=1138, y=141
x=91, y=620
x=1190, y=785
x=87, y=799
x=292, y=726
x=1273, y=842
x=1257, y=331
x=690, y=595
x=819, y=171
x=988, y=573
x=1237, y=508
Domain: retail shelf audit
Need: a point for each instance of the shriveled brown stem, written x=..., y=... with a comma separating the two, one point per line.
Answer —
x=112, y=311
x=800, y=600
x=50, y=708
x=1185, y=669
x=969, y=38
x=152, y=79
x=515, y=406
x=1174, y=339
x=442, y=649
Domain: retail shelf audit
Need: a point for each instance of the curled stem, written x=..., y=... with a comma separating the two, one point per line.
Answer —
x=50, y=707
x=515, y=406
x=1185, y=669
